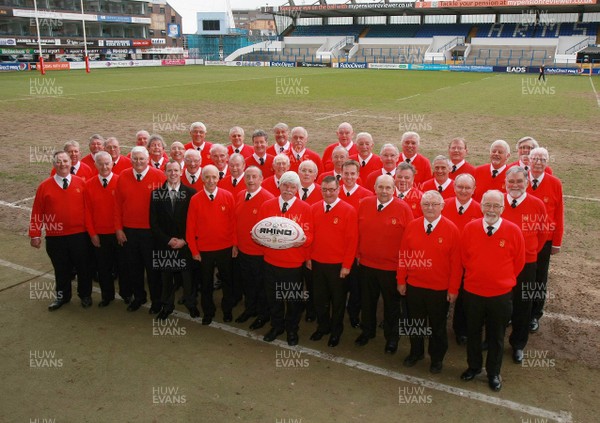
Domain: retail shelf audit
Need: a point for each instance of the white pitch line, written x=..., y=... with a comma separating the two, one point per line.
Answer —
x=595, y=92
x=568, y=318
x=581, y=198
x=338, y=114
x=23, y=200
x=14, y=206
x=577, y=131
x=406, y=98
x=561, y=416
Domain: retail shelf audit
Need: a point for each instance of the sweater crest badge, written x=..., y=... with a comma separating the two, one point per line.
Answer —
x=335, y=220
x=546, y=199
x=254, y=211
x=440, y=240
x=502, y=243
x=223, y=208
x=414, y=206
x=394, y=221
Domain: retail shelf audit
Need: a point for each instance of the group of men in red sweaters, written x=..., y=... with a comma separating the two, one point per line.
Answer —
x=419, y=235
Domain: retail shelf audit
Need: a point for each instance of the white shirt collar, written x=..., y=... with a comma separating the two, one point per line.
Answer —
x=332, y=205
x=384, y=204
x=458, y=165
x=354, y=188
x=197, y=174
x=433, y=224
x=500, y=169
x=464, y=206
x=108, y=178
x=496, y=225
x=214, y=193
x=519, y=200
x=252, y=194
x=289, y=202
x=143, y=173
x=59, y=179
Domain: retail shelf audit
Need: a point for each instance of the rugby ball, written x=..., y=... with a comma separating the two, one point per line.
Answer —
x=278, y=232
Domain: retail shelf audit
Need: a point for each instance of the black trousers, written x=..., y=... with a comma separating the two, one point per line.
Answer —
x=373, y=283
x=309, y=304
x=139, y=250
x=521, y=313
x=353, y=286
x=330, y=297
x=459, y=318
x=426, y=305
x=221, y=259
x=541, y=278
x=494, y=313
x=252, y=270
x=170, y=282
x=109, y=257
x=286, y=297
x=236, y=281
x=66, y=253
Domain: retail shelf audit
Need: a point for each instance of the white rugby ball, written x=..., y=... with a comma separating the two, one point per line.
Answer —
x=278, y=232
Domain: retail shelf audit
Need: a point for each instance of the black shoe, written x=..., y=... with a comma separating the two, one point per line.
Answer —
x=517, y=356
x=470, y=374
x=411, y=360
x=217, y=284
x=484, y=345
x=391, y=347
x=194, y=312
x=56, y=305
x=243, y=318
x=258, y=323
x=155, y=309
x=355, y=323
x=363, y=339
x=86, y=302
x=292, y=338
x=334, y=340
x=206, y=320
x=104, y=303
x=436, y=367
x=126, y=300
x=272, y=335
x=227, y=317
x=461, y=340
x=495, y=383
x=317, y=335
x=310, y=317
x=163, y=314
x=134, y=305
x=534, y=325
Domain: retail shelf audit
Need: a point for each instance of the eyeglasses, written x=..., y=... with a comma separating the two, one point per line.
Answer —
x=429, y=205
x=489, y=206
x=329, y=189
x=538, y=159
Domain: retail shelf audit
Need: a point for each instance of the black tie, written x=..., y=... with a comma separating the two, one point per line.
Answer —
x=327, y=208
x=490, y=230
x=234, y=183
x=248, y=196
x=284, y=208
x=408, y=161
x=513, y=204
x=198, y=148
x=364, y=163
x=104, y=182
x=348, y=194
x=461, y=210
x=389, y=173
x=494, y=173
x=298, y=156
x=440, y=188
x=157, y=165
x=281, y=149
x=429, y=227
x=401, y=196
x=380, y=207
x=221, y=174
x=454, y=168
x=72, y=170
x=305, y=195
x=193, y=179
x=535, y=184
x=526, y=168
x=65, y=183
x=338, y=177
x=173, y=195
x=237, y=150
x=211, y=196
x=262, y=161
x=138, y=176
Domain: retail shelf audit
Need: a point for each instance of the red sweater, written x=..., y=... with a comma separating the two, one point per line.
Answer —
x=484, y=181
x=432, y=184
x=327, y=163
x=205, y=153
x=211, y=224
x=246, y=216
x=356, y=197
x=413, y=199
x=372, y=178
x=430, y=261
x=550, y=192
x=423, y=168
x=123, y=163
x=247, y=151
x=491, y=263
x=270, y=185
x=89, y=161
x=59, y=211
x=132, y=206
x=372, y=165
x=465, y=168
x=267, y=168
x=380, y=233
x=300, y=213
x=227, y=184
x=336, y=234
x=533, y=220
x=198, y=185
x=308, y=155
x=315, y=196
x=84, y=171
x=100, y=206
x=460, y=220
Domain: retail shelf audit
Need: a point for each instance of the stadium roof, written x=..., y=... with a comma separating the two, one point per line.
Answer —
x=453, y=7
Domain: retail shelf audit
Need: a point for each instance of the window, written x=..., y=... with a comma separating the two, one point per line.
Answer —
x=211, y=25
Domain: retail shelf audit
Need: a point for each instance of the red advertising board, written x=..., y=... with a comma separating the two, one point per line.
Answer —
x=173, y=62
x=141, y=43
